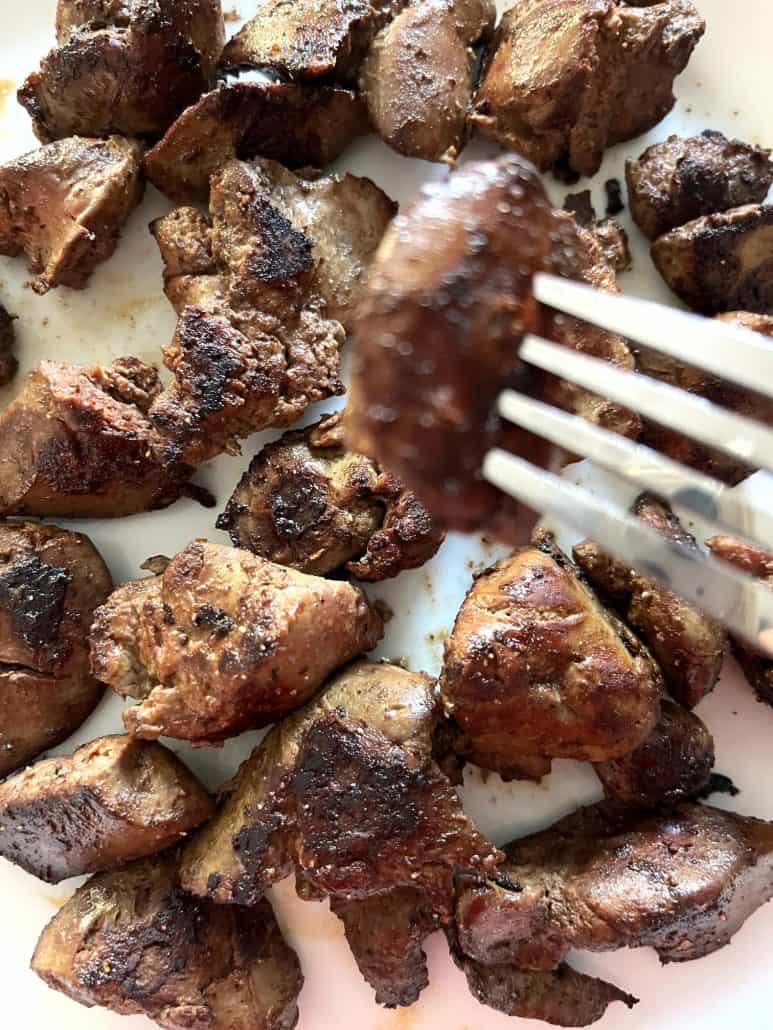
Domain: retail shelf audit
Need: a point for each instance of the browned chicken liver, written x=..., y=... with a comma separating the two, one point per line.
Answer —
x=263, y=289
x=115, y=799
x=721, y=262
x=132, y=941
x=688, y=645
x=8, y=362
x=672, y=764
x=77, y=442
x=123, y=66
x=682, y=179
x=307, y=502
x=64, y=206
x=51, y=581
x=536, y=668
x=565, y=79
x=679, y=879
x=298, y=124
x=222, y=641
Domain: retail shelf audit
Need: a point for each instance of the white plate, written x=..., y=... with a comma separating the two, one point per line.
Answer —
x=728, y=86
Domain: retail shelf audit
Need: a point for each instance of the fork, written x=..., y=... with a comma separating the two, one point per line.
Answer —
x=743, y=604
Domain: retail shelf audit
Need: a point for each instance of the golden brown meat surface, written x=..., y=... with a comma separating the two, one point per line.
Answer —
x=536, y=668
x=114, y=800
x=132, y=941
x=308, y=39
x=8, y=362
x=419, y=74
x=51, y=580
x=123, y=66
x=565, y=79
x=681, y=179
x=298, y=124
x=64, y=206
x=756, y=666
x=672, y=764
x=688, y=645
x=680, y=447
x=77, y=442
x=263, y=290
x=721, y=262
x=681, y=880
x=307, y=502
x=222, y=641
x=345, y=793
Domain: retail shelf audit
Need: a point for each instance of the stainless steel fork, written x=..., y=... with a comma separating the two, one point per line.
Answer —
x=743, y=604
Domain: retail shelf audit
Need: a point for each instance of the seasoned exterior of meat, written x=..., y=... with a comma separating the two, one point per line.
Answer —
x=673, y=764
x=680, y=447
x=385, y=933
x=681, y=880
x=562, y=996
x=721, y=262
x=756, y=667
x=419, y=75
x=123, y=66
x=536, y=668
x=77, y=442
x=447, y=302
x=222, y=641
x=263, y=290
x=309, y=39
x=134, y=942
x=8, y=362
x=345, y=793
x=565, y=79
x=64, y=206
x=688, y=645
x=682, y=179
x=114, y=800
x=51, y=581
x=299, y=125
x=307, y=502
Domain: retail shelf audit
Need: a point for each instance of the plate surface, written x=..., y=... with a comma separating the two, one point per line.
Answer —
x=728, y=86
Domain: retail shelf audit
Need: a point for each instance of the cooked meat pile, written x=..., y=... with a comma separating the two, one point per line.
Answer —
x=222, y=641
x=680, y=879
x=345, y=793
x=134, y=942
x=77, y=442
x=721, y=262
x=301, y=126
x=51, y=581
x=123, y=66
x=8, y=362
x=64, y=206
x=446, y=304
x=420, y=73
x=114, y=800
x=735, y=398
x=672, y=764
x=756, y=666
x=307, y=502
x=609, y=233
x=565, y=79
x=263, y=288
x=679, y=180
x=536, y=668
x=688, y=645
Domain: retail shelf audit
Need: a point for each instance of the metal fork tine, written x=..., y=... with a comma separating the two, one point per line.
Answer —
x=681, y=486
x=740, y=437
x=743, y=604
x=731, y=353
